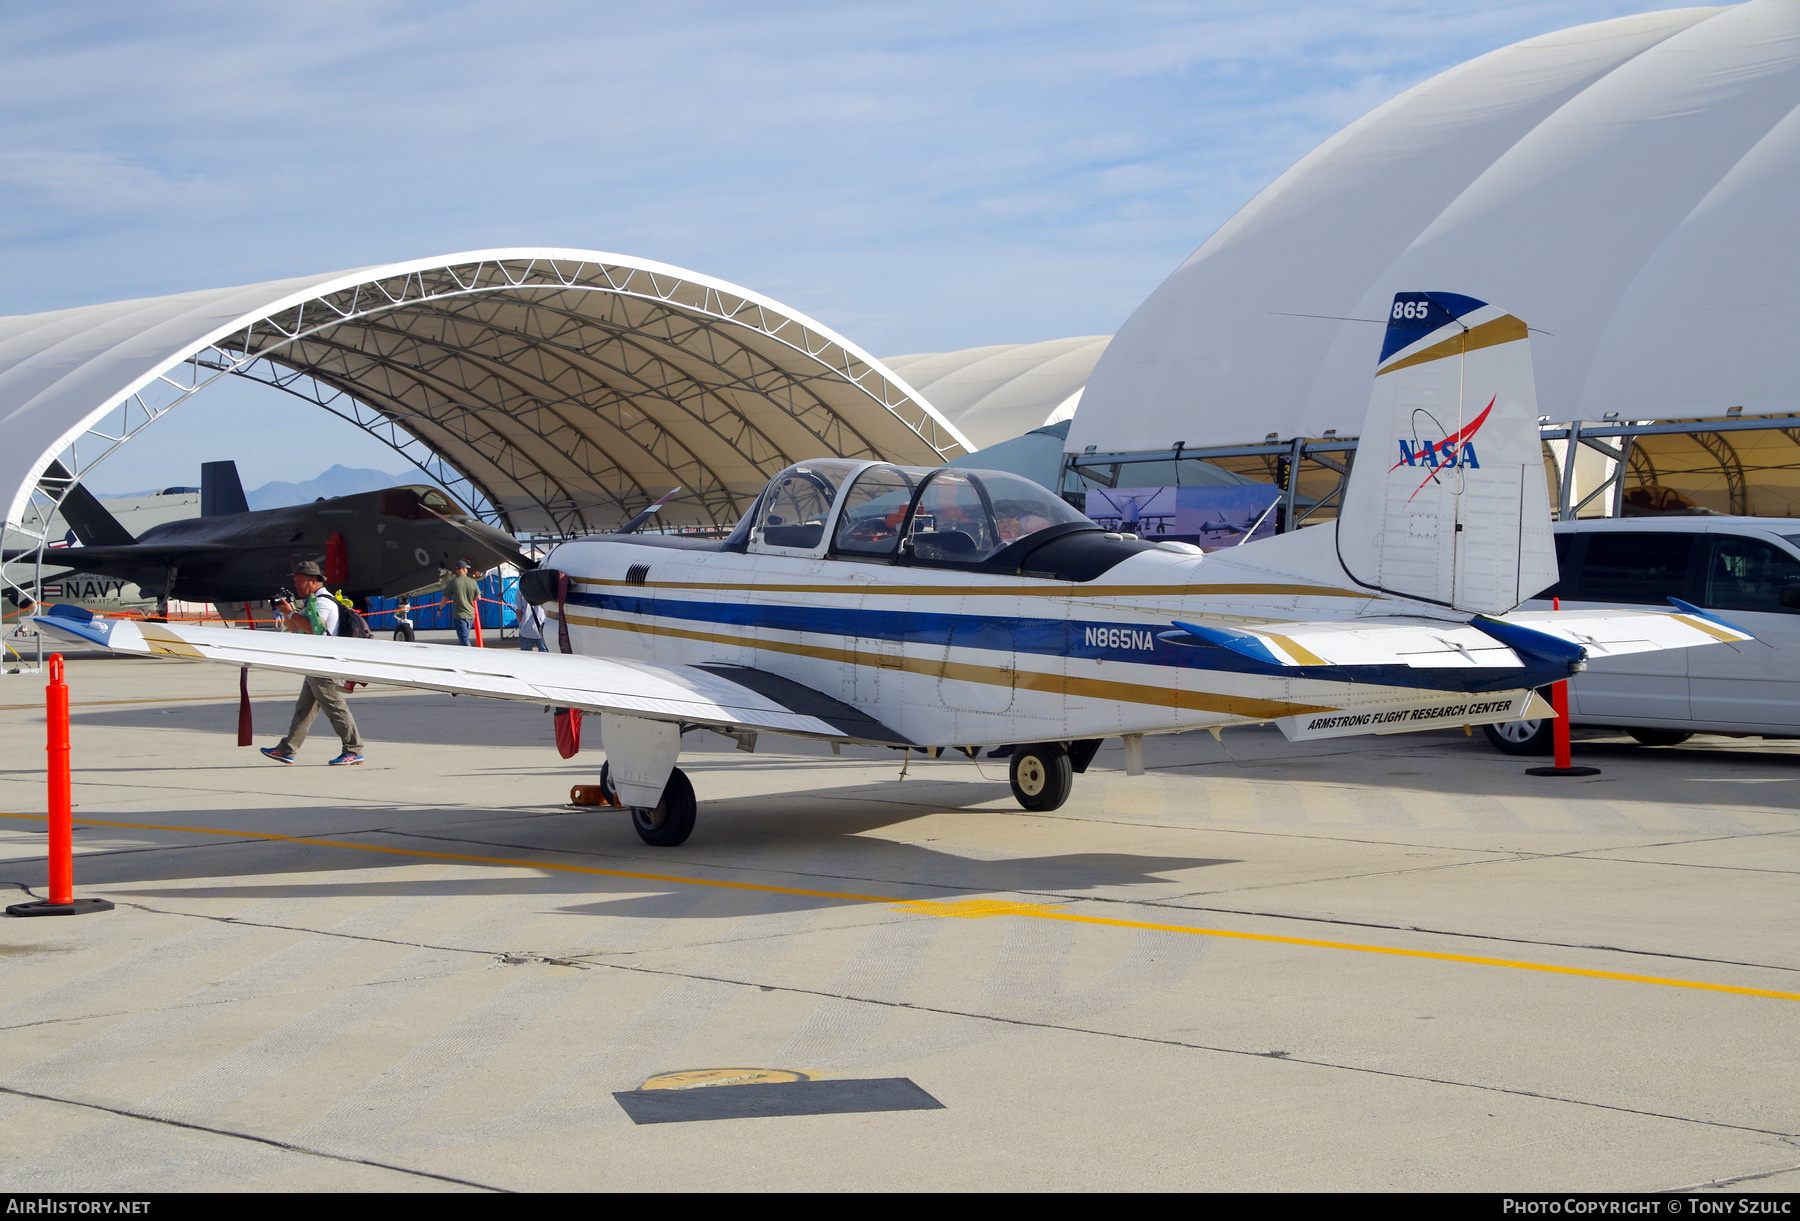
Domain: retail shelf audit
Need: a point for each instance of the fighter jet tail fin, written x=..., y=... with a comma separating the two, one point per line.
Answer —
x=221, y=491
x=1447, y=501
x=87, y=517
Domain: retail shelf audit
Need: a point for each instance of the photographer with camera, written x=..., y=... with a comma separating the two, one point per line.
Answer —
x=316, y=614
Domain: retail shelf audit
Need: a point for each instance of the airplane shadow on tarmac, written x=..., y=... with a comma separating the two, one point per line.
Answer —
x=427, y=718
x=812, y=841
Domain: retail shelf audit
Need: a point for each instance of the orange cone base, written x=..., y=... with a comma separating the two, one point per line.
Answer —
x=589, y=795
x=43, y=907
x=1562, y=771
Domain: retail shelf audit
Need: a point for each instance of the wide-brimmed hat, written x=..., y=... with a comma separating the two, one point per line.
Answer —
x=306, y=568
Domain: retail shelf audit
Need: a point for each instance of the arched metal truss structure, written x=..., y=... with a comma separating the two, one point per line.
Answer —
x=555, y=392
x=562, y=389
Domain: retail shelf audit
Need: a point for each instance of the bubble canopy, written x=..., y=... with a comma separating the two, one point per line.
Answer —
x=932, y=516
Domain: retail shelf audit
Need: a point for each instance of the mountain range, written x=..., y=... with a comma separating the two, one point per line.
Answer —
x=338, y=481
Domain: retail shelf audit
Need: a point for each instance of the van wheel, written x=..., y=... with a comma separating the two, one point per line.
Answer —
x=1659, y=737
x=1522, y=737
x=671, y=820
x=1042, y=776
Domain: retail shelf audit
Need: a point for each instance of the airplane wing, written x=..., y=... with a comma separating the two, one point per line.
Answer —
x=734, y=698
x=1521, y=649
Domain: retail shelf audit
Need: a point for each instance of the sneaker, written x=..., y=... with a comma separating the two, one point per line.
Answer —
x=278, y=755
x=347, y=757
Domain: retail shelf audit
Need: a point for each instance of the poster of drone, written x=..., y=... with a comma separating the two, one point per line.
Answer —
x=1212, y=516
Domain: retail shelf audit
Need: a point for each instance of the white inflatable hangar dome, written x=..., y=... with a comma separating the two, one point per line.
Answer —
x=1628, y=188
x=995, y=393
x=553, y=391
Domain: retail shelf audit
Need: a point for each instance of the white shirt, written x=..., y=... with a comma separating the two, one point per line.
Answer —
x=531, y=618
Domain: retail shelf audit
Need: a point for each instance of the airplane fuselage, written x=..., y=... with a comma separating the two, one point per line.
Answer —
x=950, y=658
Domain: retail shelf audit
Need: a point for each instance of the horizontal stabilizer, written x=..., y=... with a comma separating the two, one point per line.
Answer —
x=1488, y=654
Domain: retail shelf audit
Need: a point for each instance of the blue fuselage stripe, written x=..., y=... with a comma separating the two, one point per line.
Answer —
x=1046, y=637
x=1079, y=638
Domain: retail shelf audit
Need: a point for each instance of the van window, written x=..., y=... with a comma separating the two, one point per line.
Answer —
x=1643, y=567
x=1566, y=562
x=1747, y=574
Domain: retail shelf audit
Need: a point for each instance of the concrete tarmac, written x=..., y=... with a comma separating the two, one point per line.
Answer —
x=1370, y=964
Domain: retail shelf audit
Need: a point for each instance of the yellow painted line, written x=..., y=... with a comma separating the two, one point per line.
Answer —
x=959, y=908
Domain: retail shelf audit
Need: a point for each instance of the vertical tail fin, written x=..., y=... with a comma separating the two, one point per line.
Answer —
x=93, y=525
x=221, y=491
x=1447, y=501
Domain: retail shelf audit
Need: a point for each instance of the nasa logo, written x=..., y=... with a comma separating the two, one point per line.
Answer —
x=1444, y=455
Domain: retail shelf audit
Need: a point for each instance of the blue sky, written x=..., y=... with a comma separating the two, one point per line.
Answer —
x=920, y=176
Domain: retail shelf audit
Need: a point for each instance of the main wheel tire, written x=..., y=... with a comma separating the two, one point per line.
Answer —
x=1041, y=775
x=671, y=821
x=1522, y=737
x=1659, y=737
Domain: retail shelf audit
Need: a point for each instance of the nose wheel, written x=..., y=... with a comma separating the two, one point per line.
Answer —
x=671, y=820
x=1042, y=775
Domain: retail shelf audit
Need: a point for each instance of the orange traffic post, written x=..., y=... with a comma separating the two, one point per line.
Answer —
x=62, y=900
x=1563, y=757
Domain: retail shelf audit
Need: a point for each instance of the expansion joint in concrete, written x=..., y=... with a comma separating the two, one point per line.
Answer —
x=287, y=1146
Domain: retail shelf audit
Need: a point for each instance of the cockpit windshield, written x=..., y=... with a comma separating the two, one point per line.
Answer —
x=417, y=504
x=874, y=510
x=792, y=509
x=956, y=517
x=965, y=517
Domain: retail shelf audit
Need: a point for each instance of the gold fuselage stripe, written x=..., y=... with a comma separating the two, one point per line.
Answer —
x=1244, y=706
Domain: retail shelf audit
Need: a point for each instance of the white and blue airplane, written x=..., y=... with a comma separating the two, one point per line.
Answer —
x=950, y=608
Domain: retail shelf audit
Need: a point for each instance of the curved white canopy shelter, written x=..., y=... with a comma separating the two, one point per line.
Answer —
x=554, y=391
x=1626, y=188
x=999, y=392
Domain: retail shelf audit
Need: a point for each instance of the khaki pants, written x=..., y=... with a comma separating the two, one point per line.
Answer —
x=326, y=694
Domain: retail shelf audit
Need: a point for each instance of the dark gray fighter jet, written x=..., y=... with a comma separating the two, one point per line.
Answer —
x=383, y=543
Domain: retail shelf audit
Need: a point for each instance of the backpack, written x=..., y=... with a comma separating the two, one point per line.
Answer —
x=349, y=622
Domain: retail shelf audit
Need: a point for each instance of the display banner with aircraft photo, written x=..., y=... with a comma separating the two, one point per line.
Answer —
x=1210, y=515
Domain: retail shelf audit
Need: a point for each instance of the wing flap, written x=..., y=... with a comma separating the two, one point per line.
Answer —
x=658, y=692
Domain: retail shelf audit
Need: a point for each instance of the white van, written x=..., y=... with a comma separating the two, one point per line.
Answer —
x=1747, y=569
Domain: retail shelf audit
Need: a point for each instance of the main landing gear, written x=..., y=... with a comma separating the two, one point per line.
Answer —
x=1042, y=775
x=669, y=822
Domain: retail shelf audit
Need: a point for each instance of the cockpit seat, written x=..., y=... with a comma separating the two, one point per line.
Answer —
x=949, y=545
x=794, y=536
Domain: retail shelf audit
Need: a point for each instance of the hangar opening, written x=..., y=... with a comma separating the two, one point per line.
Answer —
x=554, y=392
